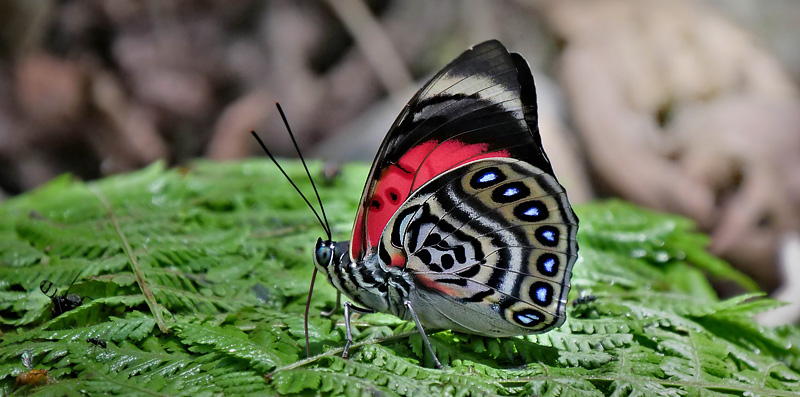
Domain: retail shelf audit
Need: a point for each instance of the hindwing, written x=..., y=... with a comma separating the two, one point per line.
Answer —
x=490, y=245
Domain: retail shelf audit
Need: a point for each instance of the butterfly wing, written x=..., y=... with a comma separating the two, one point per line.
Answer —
x=481, y=105
x=491, y=239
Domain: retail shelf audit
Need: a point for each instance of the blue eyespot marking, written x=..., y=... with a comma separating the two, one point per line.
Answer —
x=487, y=177
x=531, y=211
x=541, y=293
x=510, y=192
x=547, y=235
x=528, y=317
x=547, y=264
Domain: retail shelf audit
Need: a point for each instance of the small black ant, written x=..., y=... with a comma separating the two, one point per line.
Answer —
x=97, y=342
x=583, y=299
x=61, y=303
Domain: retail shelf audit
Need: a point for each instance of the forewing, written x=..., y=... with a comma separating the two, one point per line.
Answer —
x=490, y=246
x=481, y=105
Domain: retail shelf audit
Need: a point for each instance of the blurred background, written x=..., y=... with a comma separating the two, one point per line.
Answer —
x=690, y=107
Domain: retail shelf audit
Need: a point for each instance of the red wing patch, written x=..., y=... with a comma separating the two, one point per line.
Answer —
x=397, y=181
x=427, y=282
x=398, y=260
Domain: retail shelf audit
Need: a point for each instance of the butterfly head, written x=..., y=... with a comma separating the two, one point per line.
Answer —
x=323, y=254
x=330, y=254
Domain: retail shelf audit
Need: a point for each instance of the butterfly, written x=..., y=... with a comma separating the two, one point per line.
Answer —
x=462, y=224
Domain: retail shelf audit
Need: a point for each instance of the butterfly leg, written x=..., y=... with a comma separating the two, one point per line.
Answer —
x=348, y=309
x=422, y=332
x=335, y=308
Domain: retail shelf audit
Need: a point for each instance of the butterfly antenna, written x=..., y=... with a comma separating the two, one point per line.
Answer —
x=271, y=157
x=302, y=160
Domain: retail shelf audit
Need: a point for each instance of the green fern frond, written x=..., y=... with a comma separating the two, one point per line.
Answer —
x=99, y=379
x=16, y=253
x=134, y=326
x=264, y=349
x=562, y=387
x=222, y=255
x=639, y=388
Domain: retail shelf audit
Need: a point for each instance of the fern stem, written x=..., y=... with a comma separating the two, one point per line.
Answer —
x=140, y=278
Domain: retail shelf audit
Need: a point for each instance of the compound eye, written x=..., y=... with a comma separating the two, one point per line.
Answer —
x=323, y=254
